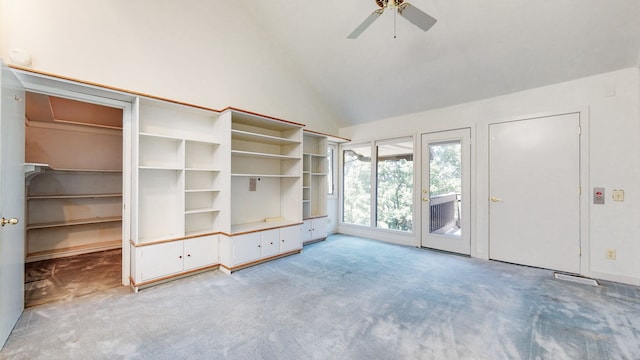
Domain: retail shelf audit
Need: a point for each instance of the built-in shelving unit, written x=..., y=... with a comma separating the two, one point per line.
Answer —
x=64, y=218
x=266, y=160
x=181, y=182
x=314, y=187
x=266, y=191
x=73, y=177
x=180, y=164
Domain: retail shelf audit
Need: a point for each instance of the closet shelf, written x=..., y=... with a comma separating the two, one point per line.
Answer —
x=261, y=138
x=202, y=169
x=74, y=222
x=74, y=196
x=316, y=155
x=201, y=190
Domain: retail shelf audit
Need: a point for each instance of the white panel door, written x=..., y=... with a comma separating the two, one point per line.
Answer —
x=11, y=202
x=445, y=193
x=534, y=182
x=159, y=260
x=201, y=251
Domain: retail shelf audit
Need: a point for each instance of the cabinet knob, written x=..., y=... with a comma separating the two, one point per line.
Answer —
x=271, y=243
x=180, y=257
x=282, y=240
x=188, y=255
x=259, y=245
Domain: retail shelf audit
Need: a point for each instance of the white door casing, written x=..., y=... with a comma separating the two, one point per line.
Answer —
x=459, y=244
x=11, y=202
x=534, y=192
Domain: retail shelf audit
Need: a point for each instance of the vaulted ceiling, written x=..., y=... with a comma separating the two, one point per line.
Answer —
x=477, y=49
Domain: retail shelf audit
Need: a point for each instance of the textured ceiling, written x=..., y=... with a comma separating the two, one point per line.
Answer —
x=478, y=49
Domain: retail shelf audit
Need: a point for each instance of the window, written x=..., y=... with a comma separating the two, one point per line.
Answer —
x=395, y=185
x=357, y=185
x=389, y=184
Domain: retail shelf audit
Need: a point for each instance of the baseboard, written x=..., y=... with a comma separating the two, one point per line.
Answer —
x=630, y=280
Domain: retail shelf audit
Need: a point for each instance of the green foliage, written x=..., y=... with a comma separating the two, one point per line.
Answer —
x=357, y=189
x=395, y=194
x=445, y=169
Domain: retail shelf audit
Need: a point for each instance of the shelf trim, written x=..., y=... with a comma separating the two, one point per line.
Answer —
x=201, y=169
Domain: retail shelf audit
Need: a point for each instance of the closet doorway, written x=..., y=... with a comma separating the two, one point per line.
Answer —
x=74, y=186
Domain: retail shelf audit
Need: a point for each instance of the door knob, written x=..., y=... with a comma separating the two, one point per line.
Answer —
x=11, y=221
x=495, y=199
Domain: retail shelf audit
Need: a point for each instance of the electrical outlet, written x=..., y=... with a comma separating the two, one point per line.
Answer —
x=617, y=195
x=611, y=254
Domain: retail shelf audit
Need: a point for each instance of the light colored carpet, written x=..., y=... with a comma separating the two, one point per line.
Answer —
x=345, y=298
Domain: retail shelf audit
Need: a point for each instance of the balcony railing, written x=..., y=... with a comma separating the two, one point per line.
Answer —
x=445, y=213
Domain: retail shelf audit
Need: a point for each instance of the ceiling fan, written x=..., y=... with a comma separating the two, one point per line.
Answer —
x=415, y=16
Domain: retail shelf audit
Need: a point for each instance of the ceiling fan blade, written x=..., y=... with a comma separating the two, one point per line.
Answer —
x=365, y=24
x=416, y=16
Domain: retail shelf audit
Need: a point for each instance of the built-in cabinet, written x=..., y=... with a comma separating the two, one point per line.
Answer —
x=181, y=167
x=166, y=259
x=266, y=190
x=314, y=187
x=189, y=188
x=242, y=250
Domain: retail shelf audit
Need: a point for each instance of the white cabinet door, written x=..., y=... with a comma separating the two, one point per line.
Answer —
x=290, y=238
x=159, y=260
x=318, y=228
x=246, y=248
x=201, y=251
x=270, y=242
x=306, y=231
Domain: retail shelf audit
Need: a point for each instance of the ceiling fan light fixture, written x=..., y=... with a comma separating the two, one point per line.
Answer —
x=414, y=15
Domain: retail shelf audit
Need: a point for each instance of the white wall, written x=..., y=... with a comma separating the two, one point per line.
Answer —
x=610, y=102
x=209, y=53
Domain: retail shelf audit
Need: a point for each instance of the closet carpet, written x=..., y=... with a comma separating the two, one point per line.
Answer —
x=344, y=298
x=71, y=277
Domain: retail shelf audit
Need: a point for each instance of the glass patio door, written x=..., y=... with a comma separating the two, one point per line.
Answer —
x=445, y=191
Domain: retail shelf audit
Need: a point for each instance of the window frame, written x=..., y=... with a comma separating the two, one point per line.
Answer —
x=373, y=207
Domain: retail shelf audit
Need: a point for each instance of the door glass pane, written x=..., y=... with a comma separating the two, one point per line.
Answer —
x=357, y=185
x=395, y=186
x=445, y=188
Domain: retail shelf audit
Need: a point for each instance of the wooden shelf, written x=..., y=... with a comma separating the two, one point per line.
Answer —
x=170, y=168
x=198, y=211
x=78, y=196
x=252, y=154
x=74, y=222
x=265, y=175
x=262, y=138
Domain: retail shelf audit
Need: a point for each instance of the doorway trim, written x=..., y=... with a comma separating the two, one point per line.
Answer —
x=47, y=85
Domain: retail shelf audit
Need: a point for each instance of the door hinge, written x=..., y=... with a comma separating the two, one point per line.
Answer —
x=579, y=190
x=579, y=130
